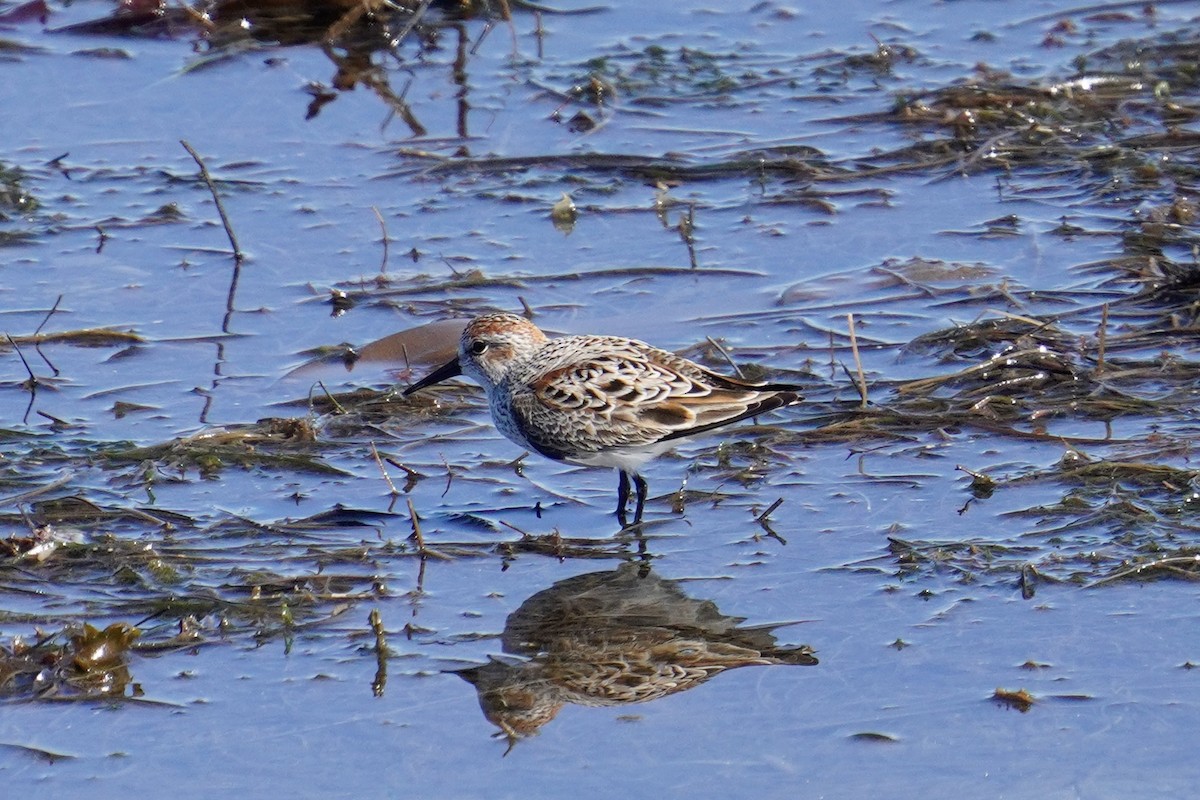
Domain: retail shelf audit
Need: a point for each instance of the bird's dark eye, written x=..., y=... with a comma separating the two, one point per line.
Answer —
x=478, y=348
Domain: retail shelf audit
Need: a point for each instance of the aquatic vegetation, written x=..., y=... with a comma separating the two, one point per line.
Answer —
x=978, y=260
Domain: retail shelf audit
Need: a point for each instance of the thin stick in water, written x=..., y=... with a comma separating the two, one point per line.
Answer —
x=832, y=357
x=862, y=377
x=37, y=344
x=412, y=475
x=1103, y=337
x=32, y=382
x=416, y=536
x=449, y=476
x=383, y=228
x=375, y=620
x=728, y=359
x=383, y=470
x=763, y=516
x=413, y=21
x=237, y=251
x=49, y=314
x=336, y=405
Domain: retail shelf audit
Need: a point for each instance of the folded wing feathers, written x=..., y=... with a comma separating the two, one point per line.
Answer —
x=655, y=394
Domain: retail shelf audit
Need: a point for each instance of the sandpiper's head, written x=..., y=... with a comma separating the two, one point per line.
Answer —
x=489, y=346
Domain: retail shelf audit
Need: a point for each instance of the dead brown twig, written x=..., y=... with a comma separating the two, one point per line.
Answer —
x=208, y=181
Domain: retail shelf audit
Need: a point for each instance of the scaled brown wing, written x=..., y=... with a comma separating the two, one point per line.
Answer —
x=615, y=401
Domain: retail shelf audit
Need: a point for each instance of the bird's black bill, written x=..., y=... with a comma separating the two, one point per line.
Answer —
x=445, y=372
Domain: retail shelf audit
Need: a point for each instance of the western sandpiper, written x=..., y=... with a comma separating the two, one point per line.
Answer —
x=598, y=400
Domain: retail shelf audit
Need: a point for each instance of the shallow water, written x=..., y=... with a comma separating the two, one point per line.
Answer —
x=908, y=586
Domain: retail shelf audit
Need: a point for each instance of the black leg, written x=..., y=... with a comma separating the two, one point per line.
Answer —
x=640, y=483
x=622, y=496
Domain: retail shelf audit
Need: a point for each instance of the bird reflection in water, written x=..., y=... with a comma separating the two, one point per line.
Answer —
x=611, y=638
